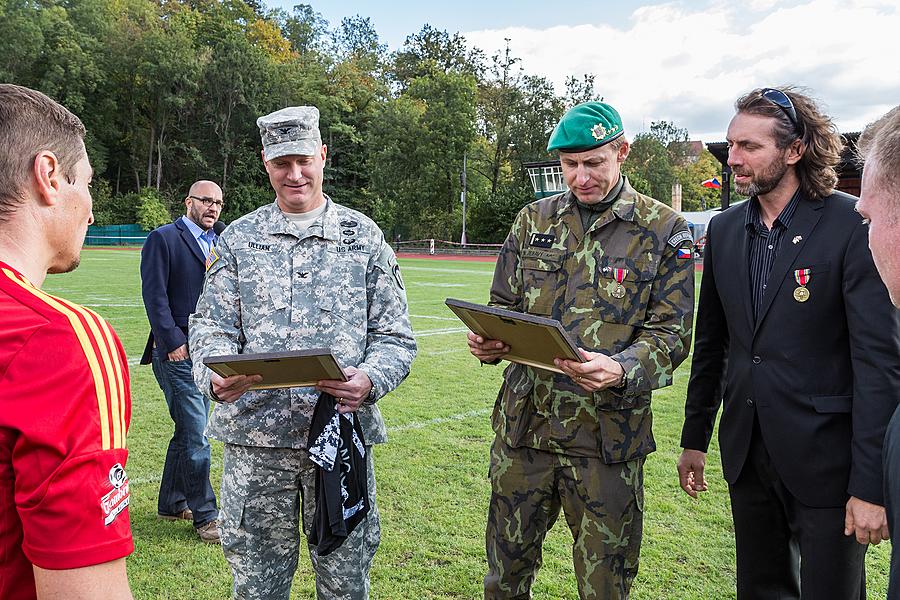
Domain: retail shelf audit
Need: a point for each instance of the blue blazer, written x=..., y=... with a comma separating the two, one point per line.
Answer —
x=172, y=270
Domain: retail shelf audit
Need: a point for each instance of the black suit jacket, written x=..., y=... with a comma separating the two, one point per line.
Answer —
x=823, y=376
x=172, y=270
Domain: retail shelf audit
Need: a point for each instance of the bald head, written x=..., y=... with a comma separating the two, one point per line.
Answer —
x=204, y=203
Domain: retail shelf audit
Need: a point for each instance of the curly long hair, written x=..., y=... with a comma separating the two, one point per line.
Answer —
x=821, y=141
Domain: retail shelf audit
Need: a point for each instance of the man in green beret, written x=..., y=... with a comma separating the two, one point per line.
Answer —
x=615, y=267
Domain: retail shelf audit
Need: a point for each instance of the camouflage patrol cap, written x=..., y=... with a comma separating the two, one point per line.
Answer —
x=586, y=126
x=291, y=130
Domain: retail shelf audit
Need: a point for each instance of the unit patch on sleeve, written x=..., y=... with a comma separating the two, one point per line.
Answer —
x=680, y=237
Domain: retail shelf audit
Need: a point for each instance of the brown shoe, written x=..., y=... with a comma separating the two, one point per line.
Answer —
x=185, y=515
x=209, y=533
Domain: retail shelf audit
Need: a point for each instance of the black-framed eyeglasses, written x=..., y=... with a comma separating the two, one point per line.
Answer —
x=782, y=101
x=207, y=202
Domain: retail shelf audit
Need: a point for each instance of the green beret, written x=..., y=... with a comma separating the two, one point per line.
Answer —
x=586, y=126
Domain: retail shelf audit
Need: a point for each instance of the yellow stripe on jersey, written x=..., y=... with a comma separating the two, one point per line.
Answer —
x=86, y=346
x=119, y=409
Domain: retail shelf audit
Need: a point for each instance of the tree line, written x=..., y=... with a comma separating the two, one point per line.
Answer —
x=170, y=90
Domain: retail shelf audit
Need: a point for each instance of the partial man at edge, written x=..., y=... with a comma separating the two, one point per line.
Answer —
x=879, y=204
x=65, y=403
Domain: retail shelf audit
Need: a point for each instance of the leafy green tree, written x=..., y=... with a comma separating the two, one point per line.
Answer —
x=649, y=167
x=435, y=51
x=691, y=175
x=580, y=90
x=151, y=211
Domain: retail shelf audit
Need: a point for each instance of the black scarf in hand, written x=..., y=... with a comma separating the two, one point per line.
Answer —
x=337, y=446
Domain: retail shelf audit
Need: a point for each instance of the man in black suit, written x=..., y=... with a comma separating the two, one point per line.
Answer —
x=879, y=204
x=173, y=262
x=797, y=337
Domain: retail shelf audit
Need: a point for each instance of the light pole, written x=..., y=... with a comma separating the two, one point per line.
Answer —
x=462, y=198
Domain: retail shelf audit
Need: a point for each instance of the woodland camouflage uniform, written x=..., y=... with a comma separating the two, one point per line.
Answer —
x=558, y=446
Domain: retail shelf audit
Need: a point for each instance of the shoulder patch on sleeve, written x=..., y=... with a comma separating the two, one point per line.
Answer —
x=395, y=271
x=680, y=237
x=212, y=258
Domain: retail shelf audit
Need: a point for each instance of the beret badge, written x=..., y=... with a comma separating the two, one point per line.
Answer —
x=598, y=131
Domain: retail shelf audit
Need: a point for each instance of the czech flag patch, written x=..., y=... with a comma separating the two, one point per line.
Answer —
x=684, y=253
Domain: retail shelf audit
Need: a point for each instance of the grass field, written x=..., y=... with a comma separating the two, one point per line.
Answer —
x=432, y=484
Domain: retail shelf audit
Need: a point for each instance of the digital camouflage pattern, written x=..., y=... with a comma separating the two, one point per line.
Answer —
x=606, y=527
x=291, y=130
x=570, y=275
x=337, y=286
x=260, y=539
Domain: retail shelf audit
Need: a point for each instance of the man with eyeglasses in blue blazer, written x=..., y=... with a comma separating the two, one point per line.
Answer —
x=173, y=263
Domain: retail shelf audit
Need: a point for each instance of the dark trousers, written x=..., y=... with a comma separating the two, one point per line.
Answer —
x=185, y=478
x=785, y=547
x=892, y=499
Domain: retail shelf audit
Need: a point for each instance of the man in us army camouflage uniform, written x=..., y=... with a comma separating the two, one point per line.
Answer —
x=616, y=268
x=303, y=272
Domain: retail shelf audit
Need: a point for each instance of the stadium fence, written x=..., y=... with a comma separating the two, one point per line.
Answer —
x=434, y=246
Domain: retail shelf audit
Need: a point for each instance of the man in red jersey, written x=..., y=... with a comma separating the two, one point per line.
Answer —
x=64, y=390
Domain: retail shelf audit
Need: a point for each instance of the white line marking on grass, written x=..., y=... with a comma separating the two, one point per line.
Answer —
x=431, y=332
x=151, y=479
x=435, y=318
x=442, y=352
x=105, y=305
x=438, y=285
x=478, y=412
x=489, y=273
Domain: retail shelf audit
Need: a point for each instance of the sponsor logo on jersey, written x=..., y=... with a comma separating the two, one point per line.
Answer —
x=118, y=498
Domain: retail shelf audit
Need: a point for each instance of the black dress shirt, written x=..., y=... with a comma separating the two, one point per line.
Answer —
x=764, y=244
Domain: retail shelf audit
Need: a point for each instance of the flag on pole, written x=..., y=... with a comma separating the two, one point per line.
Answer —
x=712, y=183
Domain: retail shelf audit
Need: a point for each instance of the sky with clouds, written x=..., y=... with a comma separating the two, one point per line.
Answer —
x=682, y=61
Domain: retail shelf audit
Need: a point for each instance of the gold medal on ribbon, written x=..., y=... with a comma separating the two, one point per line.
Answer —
x=802, y=277
x=619, y=291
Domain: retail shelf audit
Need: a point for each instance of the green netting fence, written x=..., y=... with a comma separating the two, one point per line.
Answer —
x=115, y=235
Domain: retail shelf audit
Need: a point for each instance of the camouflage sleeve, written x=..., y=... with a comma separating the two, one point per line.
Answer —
x=390, y=345
x=215, y=327
x=663, y=341
x=506, y=289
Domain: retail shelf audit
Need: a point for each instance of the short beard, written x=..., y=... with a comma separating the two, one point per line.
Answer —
x=766, y=181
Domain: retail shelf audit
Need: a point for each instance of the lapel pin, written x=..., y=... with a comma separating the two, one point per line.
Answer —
x=797, y=239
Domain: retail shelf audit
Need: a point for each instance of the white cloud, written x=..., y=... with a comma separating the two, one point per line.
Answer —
x=687, y=64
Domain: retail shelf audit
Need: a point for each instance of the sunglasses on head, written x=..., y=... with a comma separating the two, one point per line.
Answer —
x=781, y=100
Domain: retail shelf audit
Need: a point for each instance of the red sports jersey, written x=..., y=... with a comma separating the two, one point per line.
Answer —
x=65, y=407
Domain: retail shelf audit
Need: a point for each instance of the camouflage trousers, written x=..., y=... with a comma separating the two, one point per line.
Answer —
x=603, y=505
x=265, y=493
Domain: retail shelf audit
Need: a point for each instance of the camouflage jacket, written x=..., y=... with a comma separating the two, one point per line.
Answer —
x=571, y=275
x=337, y=286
